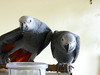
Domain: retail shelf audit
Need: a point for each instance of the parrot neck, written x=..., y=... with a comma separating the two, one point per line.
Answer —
x=39, y=29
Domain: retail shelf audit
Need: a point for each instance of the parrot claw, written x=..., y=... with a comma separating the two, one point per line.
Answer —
x=59, y=67
x=30, y=60
x=66, y=67
x=4, y=58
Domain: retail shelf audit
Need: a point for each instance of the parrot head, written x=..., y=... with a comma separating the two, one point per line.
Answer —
x=27, y=23
x=69, y=42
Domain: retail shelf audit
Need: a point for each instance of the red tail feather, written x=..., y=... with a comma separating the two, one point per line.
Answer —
x=18, y=56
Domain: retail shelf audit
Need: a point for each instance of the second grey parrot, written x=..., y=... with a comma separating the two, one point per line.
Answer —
x=65, y=48
x=30, y=38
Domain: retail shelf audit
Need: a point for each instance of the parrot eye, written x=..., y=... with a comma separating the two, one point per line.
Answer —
x=30, y=20
x=62, y=39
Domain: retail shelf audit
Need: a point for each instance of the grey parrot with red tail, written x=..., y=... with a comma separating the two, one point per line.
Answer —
x=65, y=48
x=25, y=42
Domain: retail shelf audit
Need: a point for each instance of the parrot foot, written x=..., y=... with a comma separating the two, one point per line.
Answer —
x=30, y=60
x=4, y=58
x=33, y=55
x=67, y=68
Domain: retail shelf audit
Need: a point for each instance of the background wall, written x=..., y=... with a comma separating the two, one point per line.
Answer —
x=77, y=16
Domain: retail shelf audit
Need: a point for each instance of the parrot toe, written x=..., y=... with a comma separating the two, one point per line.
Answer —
x=70, y=68
x=30, y=60
x=59, y=66
x=4, y=59
x=64, y=66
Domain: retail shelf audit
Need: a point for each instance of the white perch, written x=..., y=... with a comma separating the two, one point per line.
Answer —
x=26, y=68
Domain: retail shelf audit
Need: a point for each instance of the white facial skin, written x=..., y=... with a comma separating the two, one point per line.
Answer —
x=27, y=23
x=69, y=39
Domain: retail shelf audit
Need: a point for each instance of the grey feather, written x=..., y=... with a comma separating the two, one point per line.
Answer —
x=77, y=48
x=32, y=36
x=60, y=51
x=11, y=36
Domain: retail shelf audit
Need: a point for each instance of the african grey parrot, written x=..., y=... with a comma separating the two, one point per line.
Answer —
x=26, y=42
x=65, y=47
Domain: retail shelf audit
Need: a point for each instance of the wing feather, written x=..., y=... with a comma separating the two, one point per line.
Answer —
x=76, y=52
x=47, y=39
x=7, y=40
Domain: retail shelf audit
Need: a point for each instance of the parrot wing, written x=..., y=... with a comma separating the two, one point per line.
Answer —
x=6, y=44
x=76, y=52
x=53, y=42
x=7, y=40
x=46, y=41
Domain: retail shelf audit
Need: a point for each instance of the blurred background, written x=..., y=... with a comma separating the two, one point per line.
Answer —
x=77, y=16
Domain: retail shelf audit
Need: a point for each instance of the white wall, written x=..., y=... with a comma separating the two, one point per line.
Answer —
x=77, y=16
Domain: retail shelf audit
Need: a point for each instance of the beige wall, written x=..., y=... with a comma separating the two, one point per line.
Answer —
x=77, y=16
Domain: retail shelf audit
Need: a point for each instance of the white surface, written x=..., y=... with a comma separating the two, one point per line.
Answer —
x=26, y=68
x=26, y=65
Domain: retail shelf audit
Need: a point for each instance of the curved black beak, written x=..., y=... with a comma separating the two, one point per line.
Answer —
x=24, y=28
x=67, y=47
